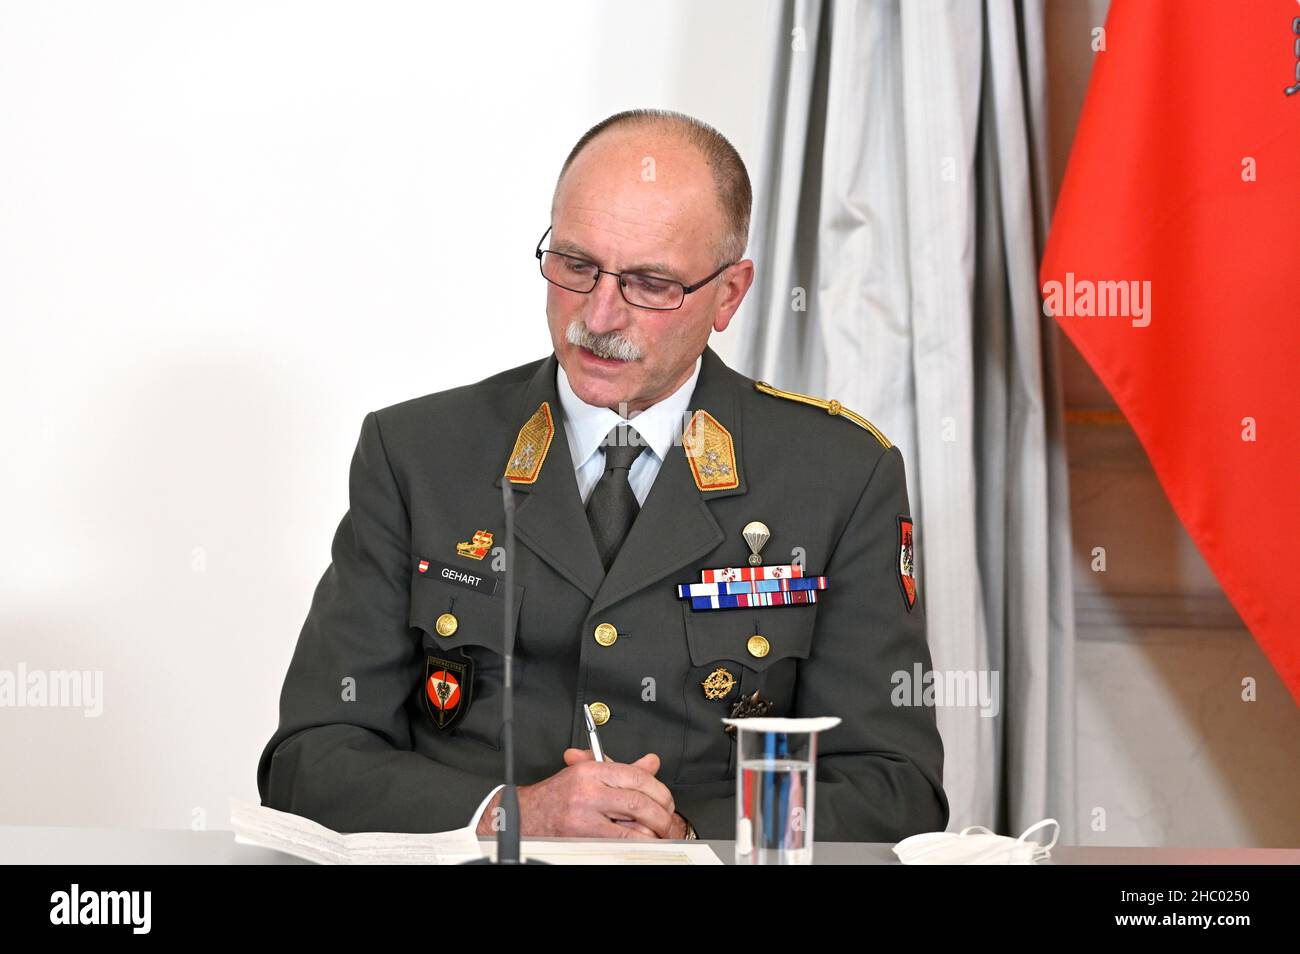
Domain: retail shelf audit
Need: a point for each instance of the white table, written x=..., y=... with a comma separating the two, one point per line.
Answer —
x=21, y=844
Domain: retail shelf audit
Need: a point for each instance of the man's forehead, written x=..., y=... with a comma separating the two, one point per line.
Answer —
x=610, y=190
x=628, y=238
x=642, y=156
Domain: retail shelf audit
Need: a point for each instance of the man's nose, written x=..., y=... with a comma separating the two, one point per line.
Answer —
x=606, y=308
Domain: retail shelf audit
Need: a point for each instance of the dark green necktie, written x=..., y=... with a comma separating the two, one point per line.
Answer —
x=612, y=506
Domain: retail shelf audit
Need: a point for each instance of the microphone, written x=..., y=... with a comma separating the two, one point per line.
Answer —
x=508, y=832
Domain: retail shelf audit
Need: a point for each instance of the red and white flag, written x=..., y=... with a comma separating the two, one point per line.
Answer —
x=1173, y=264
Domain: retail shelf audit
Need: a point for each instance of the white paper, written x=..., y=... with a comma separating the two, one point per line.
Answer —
x=303, y=838
x=613, y=851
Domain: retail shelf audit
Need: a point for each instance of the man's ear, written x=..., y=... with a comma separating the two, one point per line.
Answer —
x=735, y=283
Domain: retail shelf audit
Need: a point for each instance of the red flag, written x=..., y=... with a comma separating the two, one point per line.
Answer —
x=1180, y=210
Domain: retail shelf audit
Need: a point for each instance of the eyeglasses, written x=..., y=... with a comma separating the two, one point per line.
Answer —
x=641, y=291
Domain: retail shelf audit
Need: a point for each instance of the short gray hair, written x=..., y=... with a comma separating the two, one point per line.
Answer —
x=729, y=174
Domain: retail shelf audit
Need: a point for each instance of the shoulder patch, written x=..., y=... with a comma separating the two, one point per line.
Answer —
x=832, y=407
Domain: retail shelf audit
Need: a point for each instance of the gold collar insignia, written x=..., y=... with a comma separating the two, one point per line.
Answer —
x=711, y=454
x=531, y=445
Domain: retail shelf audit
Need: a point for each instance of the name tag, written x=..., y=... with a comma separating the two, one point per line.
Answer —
x=452, y=574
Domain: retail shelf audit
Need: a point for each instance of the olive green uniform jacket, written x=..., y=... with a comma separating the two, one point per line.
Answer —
x=363, y=744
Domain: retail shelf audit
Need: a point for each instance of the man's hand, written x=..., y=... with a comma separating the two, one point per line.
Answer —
x=590, y=799
x=678, y=830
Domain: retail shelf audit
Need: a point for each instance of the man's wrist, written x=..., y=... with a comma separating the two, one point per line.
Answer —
x=690, y=829
x=485, y=821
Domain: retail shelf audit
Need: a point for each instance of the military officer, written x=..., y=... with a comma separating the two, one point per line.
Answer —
x=640, y=463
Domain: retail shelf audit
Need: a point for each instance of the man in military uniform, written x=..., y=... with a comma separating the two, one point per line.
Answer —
x=639, y=461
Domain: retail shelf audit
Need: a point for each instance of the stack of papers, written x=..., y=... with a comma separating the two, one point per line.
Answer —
x=303, y=838
x=612, y=851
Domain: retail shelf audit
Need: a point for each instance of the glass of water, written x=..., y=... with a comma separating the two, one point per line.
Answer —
x=777, y=774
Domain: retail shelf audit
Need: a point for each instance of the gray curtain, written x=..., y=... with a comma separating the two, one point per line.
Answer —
x=900, y=209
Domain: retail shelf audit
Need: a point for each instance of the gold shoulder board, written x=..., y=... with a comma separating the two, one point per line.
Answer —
x=834, y=408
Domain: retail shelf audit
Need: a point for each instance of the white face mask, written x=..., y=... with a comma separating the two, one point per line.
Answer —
x=985, y=848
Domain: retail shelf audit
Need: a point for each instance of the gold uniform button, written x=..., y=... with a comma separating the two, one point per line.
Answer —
x=606, y=634
x=599, y=713
x=758, y=646
x=446, y=624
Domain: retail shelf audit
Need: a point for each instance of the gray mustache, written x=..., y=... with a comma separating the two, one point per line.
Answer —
x=613, y=346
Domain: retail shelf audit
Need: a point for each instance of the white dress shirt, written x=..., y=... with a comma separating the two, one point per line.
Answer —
x=587, y=425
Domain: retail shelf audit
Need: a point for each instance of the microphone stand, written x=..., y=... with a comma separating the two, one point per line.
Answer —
x=508, y=833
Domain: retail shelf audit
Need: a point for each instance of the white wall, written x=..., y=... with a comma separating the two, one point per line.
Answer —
x=227, y=231
x=220, y=230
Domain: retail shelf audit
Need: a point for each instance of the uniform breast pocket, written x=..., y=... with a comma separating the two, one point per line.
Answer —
x=463, y=648
x=746, y=657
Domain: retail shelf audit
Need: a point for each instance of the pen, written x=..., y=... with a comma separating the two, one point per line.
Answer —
x=597, y=752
